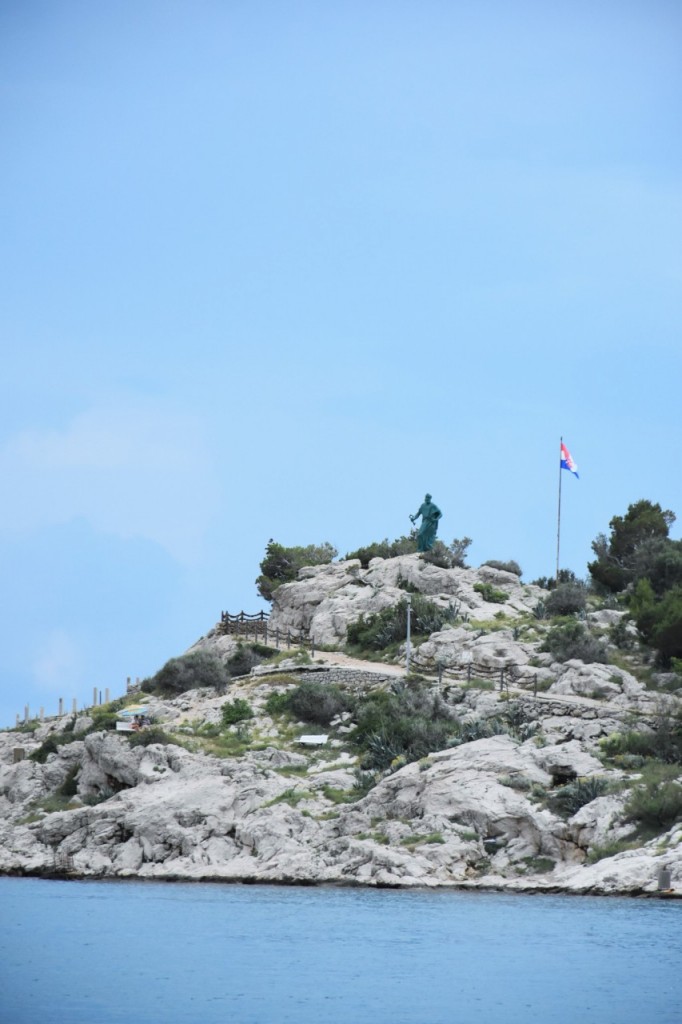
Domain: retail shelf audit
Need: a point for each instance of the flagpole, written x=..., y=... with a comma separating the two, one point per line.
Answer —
x=558, y=529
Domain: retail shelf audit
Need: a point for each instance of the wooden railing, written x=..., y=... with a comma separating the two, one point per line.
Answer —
x=257, y=627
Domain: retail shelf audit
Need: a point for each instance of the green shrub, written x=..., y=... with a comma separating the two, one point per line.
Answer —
x=539, y=865
x=407, y=723
x=663, y=743
x=69, y=786
x=189, y=672
x=489, y=593
x=146, y=737
x=479, y=729
x=385, y=549
x=550, y=582
x=277, y=703
x=448, y=556
x=510, y=566
x=572, y=640
x=656, y=802
x=621, y=635
x=421, y=840
x=659, y=620
x=51, y=745
x=234, y=711
x=381, y=629
x=567, y=800
x=318, y=703
x=281, y=564
x=610, y=849
x=566, y=599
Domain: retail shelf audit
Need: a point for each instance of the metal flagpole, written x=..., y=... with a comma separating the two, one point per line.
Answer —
x=558, y=529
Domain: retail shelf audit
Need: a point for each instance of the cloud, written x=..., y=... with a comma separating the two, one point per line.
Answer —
x=133, y=469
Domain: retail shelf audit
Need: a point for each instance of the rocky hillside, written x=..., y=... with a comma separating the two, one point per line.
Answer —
x=494, y=764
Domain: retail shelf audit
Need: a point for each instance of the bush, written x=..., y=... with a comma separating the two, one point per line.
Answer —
x=385, y=549
x=620, y=635
x=566, y=599
x=659, y=620
x=189, y=672
x=146, y=737
x=510, y=566
x=407, y=723
x=490, y=594
x=571, y=640
x=242, y=661
x=657, y=801
x=664, y=743
x=567, y=800
x=378, y=631
x=51, y=745
x=281, y=565
x=318, y=703
x=634, y=548
x=550, y=582
x=448, y=556
x=234, y=711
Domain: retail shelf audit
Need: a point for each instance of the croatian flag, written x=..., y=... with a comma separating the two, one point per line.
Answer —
x=567, y=460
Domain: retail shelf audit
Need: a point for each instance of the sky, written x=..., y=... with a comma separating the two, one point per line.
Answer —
x=275, y=270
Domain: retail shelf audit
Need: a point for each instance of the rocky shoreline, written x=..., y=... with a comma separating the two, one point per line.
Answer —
x=480, y=814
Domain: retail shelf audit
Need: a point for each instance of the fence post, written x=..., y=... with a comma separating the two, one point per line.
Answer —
x=277, y=638
x=312, y=647
x=469, y=672
x=266, y=633
x=61, y=706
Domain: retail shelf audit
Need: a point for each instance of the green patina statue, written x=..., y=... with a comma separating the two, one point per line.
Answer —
x=430, y=513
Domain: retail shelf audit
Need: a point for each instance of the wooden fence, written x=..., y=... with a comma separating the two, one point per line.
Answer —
x=257, y=627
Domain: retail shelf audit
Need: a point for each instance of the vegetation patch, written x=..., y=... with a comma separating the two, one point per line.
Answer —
x=600, y=852
x=490, y=594
x=234, y=711
x=656, y=801
x=408, y=722
x=292, y=797
x=51, y=745
x=146, y=737
x=538, y=865
x=378, y=631
x=385, y=549
x=422, y=840
x=571, y=639
x=189, y=672
x=567, y=800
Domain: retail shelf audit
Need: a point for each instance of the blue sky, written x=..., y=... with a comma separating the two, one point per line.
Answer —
x=276, y=270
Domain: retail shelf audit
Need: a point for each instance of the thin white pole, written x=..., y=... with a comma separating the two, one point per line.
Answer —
x=408, y=599
x=558, y=529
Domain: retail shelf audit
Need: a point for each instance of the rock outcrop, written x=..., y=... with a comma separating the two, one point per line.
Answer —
x=479, y=813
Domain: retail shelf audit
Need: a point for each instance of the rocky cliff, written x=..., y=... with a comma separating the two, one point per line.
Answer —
x=521, y=796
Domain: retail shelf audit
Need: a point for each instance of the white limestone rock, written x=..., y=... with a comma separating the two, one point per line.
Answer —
x=595, y=680
x=326, y=598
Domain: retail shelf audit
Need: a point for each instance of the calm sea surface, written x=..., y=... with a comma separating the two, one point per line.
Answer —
x=163, y=953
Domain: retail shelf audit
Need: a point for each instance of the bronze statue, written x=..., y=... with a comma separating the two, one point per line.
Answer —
x=430, y=513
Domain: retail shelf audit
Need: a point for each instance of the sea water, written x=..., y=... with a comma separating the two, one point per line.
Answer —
x=176, y=953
